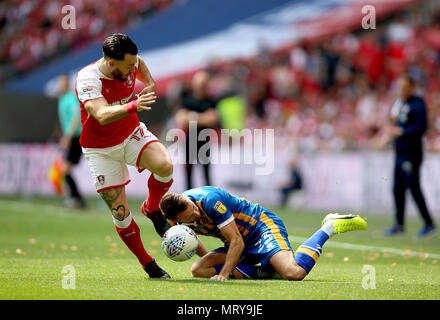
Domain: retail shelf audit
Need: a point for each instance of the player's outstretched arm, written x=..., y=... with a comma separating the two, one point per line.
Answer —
x=236, y=247
x=105, y=114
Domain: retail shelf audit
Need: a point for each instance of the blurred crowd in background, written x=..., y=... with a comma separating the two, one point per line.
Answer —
x=31, y=30
x=328, y=95
x=336, y=94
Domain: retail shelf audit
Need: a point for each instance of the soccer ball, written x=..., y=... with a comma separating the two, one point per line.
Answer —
x=180, y=243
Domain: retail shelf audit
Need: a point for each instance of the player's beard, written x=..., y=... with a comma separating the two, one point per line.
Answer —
x=117, y=74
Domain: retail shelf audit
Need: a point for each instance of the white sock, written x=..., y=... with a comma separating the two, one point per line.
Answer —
x=123, y=224
x=162, y=179
x=328, y=228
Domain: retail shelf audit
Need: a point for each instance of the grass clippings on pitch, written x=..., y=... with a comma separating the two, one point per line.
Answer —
x=39, y=238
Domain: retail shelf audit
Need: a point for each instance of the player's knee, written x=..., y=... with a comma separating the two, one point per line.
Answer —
x=112, y=195
x=196, y=270
x=165, y=169
x=294, y=273
x=294, y=276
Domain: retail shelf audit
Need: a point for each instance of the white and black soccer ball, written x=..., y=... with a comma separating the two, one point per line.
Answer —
x=180, y=243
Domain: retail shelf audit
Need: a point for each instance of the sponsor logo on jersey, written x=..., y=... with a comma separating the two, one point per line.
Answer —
x=122, y=101
x=87, y=89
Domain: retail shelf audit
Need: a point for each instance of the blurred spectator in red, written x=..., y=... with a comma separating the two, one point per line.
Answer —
x=337, y=94
x=31, y=30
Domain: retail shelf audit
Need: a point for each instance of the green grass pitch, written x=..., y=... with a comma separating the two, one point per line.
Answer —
x=38, y=238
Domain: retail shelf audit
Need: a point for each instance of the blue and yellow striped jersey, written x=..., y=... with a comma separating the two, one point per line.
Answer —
x=219, y=208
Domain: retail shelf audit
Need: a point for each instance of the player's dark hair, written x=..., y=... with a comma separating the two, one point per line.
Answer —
x=172, y=204
x=117, y=45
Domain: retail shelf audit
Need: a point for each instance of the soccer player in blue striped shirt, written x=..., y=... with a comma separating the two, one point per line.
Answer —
x=251, y=234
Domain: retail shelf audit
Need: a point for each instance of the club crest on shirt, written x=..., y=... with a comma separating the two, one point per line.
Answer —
x=220, y=207
x=129, y=82
x=101, y=179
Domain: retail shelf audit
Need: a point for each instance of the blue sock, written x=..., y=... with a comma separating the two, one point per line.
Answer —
x=309, y=252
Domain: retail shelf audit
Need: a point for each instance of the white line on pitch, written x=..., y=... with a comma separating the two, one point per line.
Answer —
x=360, y=247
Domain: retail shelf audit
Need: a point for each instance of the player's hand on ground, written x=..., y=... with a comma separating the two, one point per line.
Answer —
x=218, y=277
x=143, y=101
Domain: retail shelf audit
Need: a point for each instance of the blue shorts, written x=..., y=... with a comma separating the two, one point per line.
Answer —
x=272, y=237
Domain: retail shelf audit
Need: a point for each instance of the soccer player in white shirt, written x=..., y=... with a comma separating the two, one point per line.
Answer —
x=113, y=137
